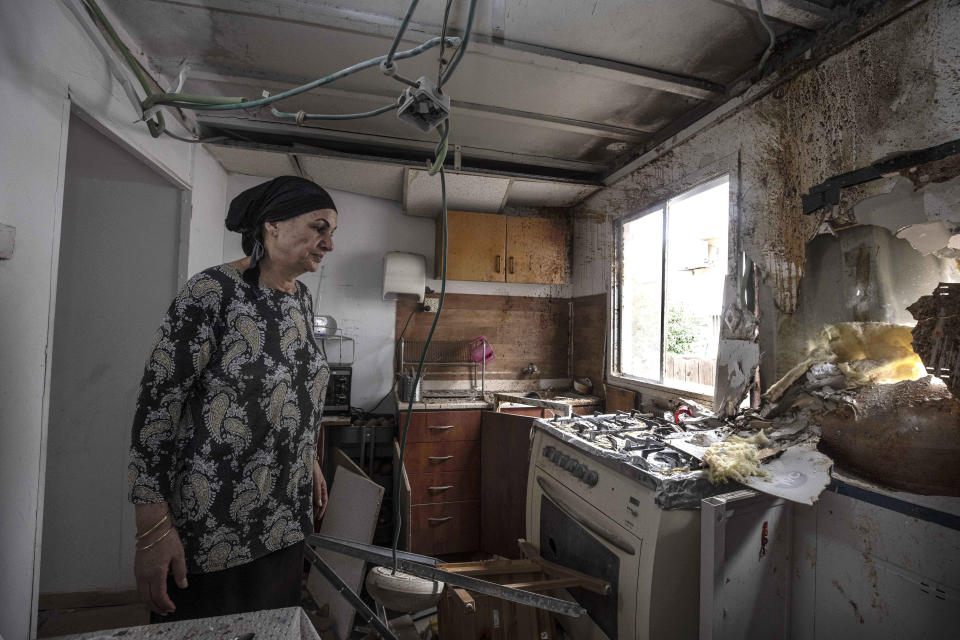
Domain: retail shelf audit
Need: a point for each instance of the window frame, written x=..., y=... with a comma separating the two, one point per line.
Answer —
x=687, y=186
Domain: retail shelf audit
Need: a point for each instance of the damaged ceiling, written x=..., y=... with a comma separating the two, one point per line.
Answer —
x=551, y=97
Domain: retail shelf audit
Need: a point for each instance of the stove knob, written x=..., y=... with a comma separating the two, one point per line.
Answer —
x=548, y=451
x=562, y=461
x=555, y=456
x=579, y=471
x=591, y=478
x=570, y=464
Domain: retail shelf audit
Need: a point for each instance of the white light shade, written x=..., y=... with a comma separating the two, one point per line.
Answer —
x=404, y=273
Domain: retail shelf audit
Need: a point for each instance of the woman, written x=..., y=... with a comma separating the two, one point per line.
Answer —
x=223, y=468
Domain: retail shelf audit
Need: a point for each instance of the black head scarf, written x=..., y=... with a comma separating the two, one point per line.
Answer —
x=279, y=199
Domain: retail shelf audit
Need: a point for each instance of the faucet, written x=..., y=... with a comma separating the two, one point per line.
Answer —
x=530, y=370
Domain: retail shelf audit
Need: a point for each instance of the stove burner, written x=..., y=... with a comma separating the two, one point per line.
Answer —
x=641, y=436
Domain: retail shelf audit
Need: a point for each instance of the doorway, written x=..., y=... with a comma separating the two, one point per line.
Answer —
x=119, y=268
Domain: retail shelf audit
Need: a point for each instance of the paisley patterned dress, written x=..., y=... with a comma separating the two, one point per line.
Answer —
x=227, y=419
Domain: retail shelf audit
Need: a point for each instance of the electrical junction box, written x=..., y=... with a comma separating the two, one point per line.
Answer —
x=430, y=305
x=425, y=106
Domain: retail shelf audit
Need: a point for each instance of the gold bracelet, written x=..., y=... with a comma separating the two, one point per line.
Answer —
x=153, y=528
x=165, y=534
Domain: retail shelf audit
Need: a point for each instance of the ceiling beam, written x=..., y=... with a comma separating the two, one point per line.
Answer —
x=255, y=80
x=520, y=52
x=366, y=145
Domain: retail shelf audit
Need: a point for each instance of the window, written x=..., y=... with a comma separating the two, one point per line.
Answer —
x=673, y=261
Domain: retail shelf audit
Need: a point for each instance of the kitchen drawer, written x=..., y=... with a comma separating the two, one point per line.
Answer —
x=443, y=426
x=445, y=486
x=449, y=527
x=431, y=457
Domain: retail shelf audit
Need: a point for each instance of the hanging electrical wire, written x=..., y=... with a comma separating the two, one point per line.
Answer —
x=201, y=103
x=463, y=45
x=397, y=519
x=773, y=37
x=156, y=125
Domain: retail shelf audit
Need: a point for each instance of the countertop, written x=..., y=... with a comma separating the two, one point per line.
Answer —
x=271, y=624
x=487, y=402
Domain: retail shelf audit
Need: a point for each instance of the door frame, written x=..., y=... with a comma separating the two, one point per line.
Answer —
x=71, y=107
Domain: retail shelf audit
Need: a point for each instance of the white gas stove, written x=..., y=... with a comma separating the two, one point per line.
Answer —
x=608, y=496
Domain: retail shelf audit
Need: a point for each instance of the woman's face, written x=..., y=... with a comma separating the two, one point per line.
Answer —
x=299, y=243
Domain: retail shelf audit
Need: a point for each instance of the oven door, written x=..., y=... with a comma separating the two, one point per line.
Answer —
x=572, y=532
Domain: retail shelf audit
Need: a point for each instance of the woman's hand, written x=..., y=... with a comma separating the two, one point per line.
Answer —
x=319, y=492
x=164, y=555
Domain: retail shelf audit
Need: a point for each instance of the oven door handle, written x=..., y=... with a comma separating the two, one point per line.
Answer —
x=608, y=536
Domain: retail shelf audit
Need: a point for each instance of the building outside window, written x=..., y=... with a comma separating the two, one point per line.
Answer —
x=673, y=262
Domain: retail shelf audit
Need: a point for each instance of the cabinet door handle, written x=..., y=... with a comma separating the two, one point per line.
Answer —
x=443, y=519
x=510, y=261
x=439, y=458
x=496, y=264
x=440, y=489
x=446, y=427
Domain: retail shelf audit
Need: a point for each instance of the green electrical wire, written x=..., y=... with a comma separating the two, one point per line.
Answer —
x=156, y=128
x=333, y=116
x=179, y=100
x=440, y=151
x=463, y=47
x=406, y=427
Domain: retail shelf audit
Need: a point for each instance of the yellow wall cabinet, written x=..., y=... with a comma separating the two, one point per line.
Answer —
x=487, y=247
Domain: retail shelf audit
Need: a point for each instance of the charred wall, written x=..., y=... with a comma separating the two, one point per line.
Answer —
x=895, y=90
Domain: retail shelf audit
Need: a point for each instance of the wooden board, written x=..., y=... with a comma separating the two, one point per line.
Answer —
x=588, y=339
x=504, y=460
x=351, y=514
x=520, y=330
x=619, y=399
x=537, y=250
x=492, y=618
x=474, y=242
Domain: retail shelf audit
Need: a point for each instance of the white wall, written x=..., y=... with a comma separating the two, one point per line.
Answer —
x=44, y=58
x=352, y=279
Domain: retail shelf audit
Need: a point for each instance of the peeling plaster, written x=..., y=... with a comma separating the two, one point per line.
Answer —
x=896, y=90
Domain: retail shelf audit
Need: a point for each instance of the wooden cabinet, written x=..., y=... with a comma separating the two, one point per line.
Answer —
x=443, y=464
x=505, y=457
x=488, y=247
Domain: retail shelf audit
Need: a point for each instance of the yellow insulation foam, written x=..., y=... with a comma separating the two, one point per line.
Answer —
x=735, y=458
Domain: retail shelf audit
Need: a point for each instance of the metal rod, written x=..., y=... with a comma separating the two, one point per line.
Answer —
x=381, y=556
x=361, y=607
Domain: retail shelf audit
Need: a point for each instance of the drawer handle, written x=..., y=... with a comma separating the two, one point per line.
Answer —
x=443, y=519
x=443, y=428
x=511, y=264
x=439, y=458
x=440, y=489
x=496, y=265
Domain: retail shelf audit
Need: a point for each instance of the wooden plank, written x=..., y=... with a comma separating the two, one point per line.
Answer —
x=352, y=513
x=586, y=581
x=464, y=596
x=474, y=240
x=545, y=585
x=537, y=250
x=618, y=399
x=504, y=460
x=491, y=567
